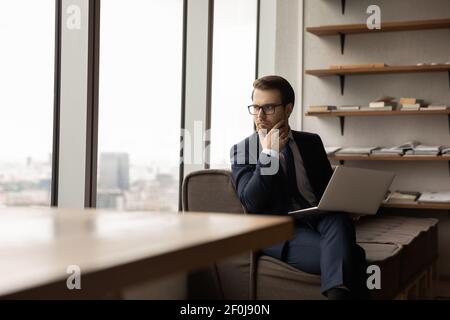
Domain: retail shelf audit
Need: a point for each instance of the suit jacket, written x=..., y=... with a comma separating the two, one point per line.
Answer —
x=267, y=194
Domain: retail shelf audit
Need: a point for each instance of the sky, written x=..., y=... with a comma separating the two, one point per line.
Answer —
x=27, y=34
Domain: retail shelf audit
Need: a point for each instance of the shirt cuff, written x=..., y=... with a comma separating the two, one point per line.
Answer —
x=271, y=152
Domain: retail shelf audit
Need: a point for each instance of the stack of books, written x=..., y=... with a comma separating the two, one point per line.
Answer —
x=402, y=197
x=382, y=104
x=410, y=104
x=424, y=150
x=435, y=107
x=321, y=108
x=399, y=150
x=435, y=197
x=356, y=151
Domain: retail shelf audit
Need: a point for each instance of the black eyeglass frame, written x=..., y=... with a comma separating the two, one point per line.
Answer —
x=264, y=108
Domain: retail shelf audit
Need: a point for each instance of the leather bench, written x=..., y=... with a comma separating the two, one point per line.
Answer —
x=404, y=248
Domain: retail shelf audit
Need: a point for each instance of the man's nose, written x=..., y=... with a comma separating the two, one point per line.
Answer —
x=261, y=113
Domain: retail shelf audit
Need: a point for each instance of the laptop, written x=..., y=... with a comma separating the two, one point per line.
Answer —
x=352, y=190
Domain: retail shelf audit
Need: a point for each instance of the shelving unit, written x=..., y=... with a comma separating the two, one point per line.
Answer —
x=341, y=115
x=343, y=72
x=349, y=29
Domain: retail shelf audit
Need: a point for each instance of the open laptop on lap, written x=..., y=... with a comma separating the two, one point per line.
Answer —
x=352, y=190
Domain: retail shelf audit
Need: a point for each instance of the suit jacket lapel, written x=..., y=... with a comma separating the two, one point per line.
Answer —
x=305, y=151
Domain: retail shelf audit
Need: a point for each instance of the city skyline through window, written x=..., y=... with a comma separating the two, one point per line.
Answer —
x=140, y=104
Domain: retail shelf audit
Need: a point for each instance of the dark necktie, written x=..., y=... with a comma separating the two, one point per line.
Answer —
x=291, y=180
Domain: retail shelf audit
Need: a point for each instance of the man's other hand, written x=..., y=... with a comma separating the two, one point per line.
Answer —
x=276, y=138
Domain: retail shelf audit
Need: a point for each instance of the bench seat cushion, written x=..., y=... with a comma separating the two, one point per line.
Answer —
x=400, y=246
x=278, y=280
x=417, y=237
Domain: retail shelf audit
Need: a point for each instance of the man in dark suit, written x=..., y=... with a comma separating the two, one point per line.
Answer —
x=277, y=170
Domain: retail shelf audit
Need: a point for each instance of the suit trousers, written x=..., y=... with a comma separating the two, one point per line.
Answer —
x=325, y=244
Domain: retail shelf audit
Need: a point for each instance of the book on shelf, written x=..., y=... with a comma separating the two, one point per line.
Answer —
x=438, y=197
x=424, y=150
x=356, y=151
x=445, y=151
x=358, y=66
x=382, y=102
x=408, y=101
x=348, y=108
x=321, y=108
x=387, y=152
x=385, y=108
x=435, y=107
x=396, y=150
x=410, y=107
x=403, y=197
x=331, y=150
x=410, y=104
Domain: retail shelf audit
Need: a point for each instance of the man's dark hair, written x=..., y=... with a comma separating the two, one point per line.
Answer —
x=276, y=83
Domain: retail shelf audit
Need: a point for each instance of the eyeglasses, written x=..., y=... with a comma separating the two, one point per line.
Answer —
x=254, y=109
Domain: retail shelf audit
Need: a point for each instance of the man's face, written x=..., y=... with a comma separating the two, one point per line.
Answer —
x=265, y=97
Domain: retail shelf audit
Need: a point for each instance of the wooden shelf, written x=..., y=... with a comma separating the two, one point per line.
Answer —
x=342, y=159
x=427, y=206
x=349, y=29
x=331, y=30
x=388, y=158
x=374, y=113
x=380, y=70
x=343, y=114
x=343, y=72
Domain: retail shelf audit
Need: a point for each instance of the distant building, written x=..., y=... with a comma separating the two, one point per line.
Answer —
x=114, y=171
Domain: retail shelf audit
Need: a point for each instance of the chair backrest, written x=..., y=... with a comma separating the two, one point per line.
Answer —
x=214, y=191
x=210, y=191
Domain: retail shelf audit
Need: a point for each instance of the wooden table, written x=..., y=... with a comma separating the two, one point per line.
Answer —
x=118, y=249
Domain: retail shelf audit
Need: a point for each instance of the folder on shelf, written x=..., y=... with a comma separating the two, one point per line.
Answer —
x=435, y=197
x=403, y=197
x=356, y=151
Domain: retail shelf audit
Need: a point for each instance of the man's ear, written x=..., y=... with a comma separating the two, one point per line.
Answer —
x=289, y=109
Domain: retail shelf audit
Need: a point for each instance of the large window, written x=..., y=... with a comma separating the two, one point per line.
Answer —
x=27, y=35
x=234, y=61
x=139, y=104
